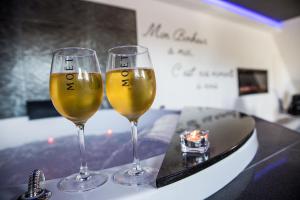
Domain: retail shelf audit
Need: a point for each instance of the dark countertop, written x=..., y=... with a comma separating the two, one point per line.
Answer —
x=274, y=173
x=229, y=130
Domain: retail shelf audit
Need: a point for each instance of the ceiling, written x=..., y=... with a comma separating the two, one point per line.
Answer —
x=276, y=11
x=279, y=10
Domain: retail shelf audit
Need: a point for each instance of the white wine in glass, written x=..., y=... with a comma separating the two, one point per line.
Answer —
x=76, y=91
x=131, y=88
x=87, y=96
x=136, y=91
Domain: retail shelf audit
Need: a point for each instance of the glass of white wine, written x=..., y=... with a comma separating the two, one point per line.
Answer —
x=130, y=89
x=76, y=92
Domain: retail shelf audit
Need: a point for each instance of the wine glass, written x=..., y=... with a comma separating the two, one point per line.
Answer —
x=76, y=92
x=130, y=88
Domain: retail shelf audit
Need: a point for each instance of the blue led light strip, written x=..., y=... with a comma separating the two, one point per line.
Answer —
x=245, y=12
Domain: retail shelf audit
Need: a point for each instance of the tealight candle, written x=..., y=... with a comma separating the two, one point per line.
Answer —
x=195, y=141
x=194, y=136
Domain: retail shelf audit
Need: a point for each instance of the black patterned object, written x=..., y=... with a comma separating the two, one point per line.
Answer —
x=229, y=130
x=31, y=29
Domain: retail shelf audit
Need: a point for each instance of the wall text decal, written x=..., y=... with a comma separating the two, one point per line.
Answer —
x=178, y=35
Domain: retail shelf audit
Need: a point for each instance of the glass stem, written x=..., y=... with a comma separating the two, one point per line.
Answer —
x=136, y=161
x=84, y=172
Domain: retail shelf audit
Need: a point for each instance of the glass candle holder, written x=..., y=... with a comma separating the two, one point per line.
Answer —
x=195, y=141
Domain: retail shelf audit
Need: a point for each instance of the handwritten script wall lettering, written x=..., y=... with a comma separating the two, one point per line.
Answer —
x=178, y=35
x=208, y=79
x=179, y=70
x=183, y=52
x=184, y=49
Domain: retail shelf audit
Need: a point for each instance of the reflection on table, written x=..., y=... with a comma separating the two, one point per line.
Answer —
x=58, y=156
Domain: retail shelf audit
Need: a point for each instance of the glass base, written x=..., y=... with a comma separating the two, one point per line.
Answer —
x=74, y=183
x=132, y=177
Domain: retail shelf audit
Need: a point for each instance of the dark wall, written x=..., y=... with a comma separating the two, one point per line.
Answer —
x=31, y=29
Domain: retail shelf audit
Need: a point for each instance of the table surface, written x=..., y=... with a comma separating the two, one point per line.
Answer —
x=228, y=131
x=274, y=173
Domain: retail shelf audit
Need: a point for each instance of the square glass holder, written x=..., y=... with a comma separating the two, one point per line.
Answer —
x=195, y=141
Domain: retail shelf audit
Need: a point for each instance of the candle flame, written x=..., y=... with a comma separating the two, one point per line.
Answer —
x=194, y=134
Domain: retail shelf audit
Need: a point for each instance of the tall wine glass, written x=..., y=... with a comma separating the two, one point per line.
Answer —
x=130, y=88
x=76, y=92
